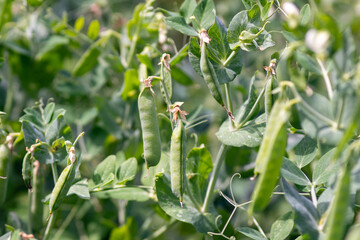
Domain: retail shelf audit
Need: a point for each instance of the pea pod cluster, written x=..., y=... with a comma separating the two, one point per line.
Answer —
x=270, y=156
x=177, y=160
x=63, y=183
x=150, y=127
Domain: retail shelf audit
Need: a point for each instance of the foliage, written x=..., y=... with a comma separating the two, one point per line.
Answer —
x=188, y=121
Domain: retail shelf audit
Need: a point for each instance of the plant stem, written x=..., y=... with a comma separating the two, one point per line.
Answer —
x=252, y=109
x=326, y=78
x=229, y=58
x=66, y=222
x=258, y=227
x=29, y=212
x=313, y=195
x=229, y=219
x=210, y=190
x=228, y=100
x=49, y=226
x=9, y=96
x=161, y=230
x=54, y=172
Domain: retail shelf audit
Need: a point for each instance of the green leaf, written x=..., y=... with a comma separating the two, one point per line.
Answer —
x=246, y=107
x=248, y=4
x=218, y=43
x=187, y=9
x=104, y=173
x=198, y=168
x=148, y=175
x=249, y=135
x=225, y=74
x=282, y=227
x=131, y=85
x=315, y=127
x=251, y=233
x=81, y=189
x=305, y=15
x=305, y=151
x=292, y=173
x=87, y=61
x=324, y=168
x=127, y=171
x=31, y=133
x=180, y=76
x=179, y=24
x=307, y=62
x=306, y=216
x=244, y=32
x=204, y=14
x=203, y=222
x=54, y=43
x=79, y=23
x=265, y=6
x=114, y=62
x=127, y=231
x=124, y=193
x=94, y=29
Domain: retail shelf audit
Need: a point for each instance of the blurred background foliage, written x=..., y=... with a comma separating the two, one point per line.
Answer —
x=42, y=44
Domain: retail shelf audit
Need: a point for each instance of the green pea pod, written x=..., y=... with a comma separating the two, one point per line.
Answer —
x=336, y=221
x=4, y=171
x=27, y=170
x=37, y=207
x=270, y=156
x=209, y=75
x=62, y=187
x=177, y=160
x=269, y=97
x=150, y=127
x=166, y=83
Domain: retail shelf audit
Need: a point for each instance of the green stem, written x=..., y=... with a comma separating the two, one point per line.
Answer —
x=229, y=58
x=313, y=195
x=326, y=78
x=252, y=109
x=228, y=100
x=259, y=227
x=131, y=53
x=210, y=190
x=229, y=219
x=160, y=231
x=54, y=172
x=66, y=222
x=29, y=212
x=49, y=226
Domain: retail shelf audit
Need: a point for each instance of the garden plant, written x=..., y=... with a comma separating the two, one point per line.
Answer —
x=179, y=119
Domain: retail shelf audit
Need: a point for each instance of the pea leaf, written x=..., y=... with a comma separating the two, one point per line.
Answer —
x=126, y=171
x=249, y=135
x=315, y=127
x=81, y=189
x=251, y=233
x=244, y=32
x=282, y=227
x=225, y=74
x=306, y=216
x=265, y=6
x=305, y=151
x=54, y=43
x=187, y=9
x=179, y=24
x=204, y=14
x=307, y=62
x=305, y=15
x=292, y=173
x=104, y=173
x=203, y=222
x=198, y=168
x=324, y=168
x=94, y=29
x=87, y=61
x=79, y=23
x=124, y=193
x=131, y=85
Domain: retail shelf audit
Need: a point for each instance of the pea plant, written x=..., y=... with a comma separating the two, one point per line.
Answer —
x=179, y=121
